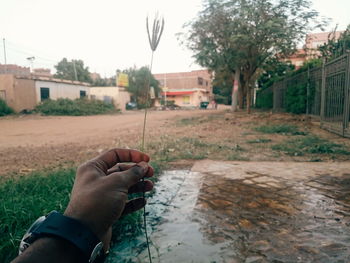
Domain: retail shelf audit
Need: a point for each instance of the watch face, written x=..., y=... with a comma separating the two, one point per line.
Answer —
x=28, y=237
x=97, y=250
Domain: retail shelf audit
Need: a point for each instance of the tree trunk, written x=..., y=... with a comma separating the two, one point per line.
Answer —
x=248, y=99
x=235, y=90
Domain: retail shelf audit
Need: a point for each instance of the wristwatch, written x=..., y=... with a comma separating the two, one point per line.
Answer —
x=70, y=229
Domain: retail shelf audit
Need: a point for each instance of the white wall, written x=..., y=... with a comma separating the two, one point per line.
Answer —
x=60, y=90
x=119, y=96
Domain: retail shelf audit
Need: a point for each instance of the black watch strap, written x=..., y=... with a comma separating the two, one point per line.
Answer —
x=71, y=230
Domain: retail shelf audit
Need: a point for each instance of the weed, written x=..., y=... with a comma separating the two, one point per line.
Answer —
x=280, y=129
x=310, y=144
x=5, y=109
x=259, y=140
x=76, y=107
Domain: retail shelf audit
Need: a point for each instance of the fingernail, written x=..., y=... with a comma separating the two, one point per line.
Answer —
x=143, y=165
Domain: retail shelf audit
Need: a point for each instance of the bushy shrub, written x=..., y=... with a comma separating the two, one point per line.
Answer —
x=296, y=97
x=76, y=107
x=5, y=109
x=264, y=100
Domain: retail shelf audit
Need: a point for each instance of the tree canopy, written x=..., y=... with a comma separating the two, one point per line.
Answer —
x=139, y=79
x=335, y=48
x=241, y=35
x=72, y=70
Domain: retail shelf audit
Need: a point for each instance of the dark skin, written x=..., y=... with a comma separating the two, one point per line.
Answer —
x=99, y=198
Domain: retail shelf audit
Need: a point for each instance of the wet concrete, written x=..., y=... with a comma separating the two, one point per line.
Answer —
x=249, y=212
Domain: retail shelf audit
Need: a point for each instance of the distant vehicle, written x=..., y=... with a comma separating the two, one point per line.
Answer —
x=131, y=105
x=204, y=104
x=174, y=107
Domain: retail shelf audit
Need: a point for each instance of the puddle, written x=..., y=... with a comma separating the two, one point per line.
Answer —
x=251, y=218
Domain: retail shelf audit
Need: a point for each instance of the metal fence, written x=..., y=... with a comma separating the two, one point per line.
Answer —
x=327, y=94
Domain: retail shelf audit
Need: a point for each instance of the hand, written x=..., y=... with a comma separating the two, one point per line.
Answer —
x=101, y=188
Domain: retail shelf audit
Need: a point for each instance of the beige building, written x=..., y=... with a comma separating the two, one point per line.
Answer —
x=186, y=89
x=312, y=42
x=116, y=95
x=25, y=92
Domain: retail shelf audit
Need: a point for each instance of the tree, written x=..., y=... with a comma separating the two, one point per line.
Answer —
x=139, y=79
x=241, y=35
x=72, y=70
x=335, y=48
x=274, y=70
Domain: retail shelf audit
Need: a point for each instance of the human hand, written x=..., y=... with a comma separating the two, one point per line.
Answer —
x=101, y=188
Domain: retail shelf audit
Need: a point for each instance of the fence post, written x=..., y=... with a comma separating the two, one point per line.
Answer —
x=346, y=95
x=323, y=91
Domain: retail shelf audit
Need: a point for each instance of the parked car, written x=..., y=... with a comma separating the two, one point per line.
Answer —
x=131, y=105
x=204, y=104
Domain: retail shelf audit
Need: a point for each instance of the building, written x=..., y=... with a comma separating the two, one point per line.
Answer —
x=116, y=95
x=298, y=58
x=310, y=50
x=14, y=69
x=42, y=72
x=25, y=92
x=186, y=89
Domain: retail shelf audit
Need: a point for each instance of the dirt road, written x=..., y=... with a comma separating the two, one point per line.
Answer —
x=31, y=142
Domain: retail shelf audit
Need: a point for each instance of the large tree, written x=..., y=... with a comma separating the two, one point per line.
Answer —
x=139, y=82
x=241, y=35
x=72, y=70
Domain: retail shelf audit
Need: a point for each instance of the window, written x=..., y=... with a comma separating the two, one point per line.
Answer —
x=206, y=83
x=82, y=93
x=200, y=81
x=44, y=93
x=3, y=95
x=186, y=99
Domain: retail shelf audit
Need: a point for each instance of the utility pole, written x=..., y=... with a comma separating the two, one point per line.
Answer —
x=75, y=70
x=5, y=55
x=31, y=60
x=165, y=89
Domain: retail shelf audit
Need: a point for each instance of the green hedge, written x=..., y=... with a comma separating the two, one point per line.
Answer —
x=5, y=109
x=296, y=98
x=264, y=99
x=76, y=107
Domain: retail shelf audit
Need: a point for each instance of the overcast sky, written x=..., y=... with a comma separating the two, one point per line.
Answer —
x=109, y=34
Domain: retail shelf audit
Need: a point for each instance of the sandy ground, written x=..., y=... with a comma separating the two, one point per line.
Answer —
x=35, y=142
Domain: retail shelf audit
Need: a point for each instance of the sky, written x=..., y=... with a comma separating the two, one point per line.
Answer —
x=109, y=34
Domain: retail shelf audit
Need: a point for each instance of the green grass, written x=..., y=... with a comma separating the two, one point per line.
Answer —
x=78, y=107
x=26, y=198
x=285, y=129
x=259, y=140
x=310, y=145
x=5, y=109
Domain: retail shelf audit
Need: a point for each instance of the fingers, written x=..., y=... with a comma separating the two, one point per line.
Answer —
x=140, y=187
x=119, y=167
x=131, y=176
x=134, y=205
x=114, y=156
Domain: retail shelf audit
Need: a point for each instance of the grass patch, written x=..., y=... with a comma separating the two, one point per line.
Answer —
x=259, y=140
x=5, y=109
x=280, y=129
x=189, y=121
x=311, y=145
x=78, y=107
x=167, y=149
x=26, y=198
